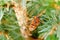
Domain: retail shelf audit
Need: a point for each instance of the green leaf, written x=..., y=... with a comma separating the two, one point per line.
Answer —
x=2, y=37
x=52, y=37
x=58, y=32
x=1, y=14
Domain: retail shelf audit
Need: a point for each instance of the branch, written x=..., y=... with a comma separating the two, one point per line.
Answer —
x=21, y=14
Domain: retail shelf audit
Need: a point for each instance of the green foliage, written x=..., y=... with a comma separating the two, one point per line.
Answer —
x=58, y=2
x=47, y=21
x=1, y=14
x=2, y=37
x=52, y=37
x=8, y=21
x=58, y=31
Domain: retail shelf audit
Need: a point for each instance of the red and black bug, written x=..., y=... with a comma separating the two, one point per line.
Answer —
x=34, y=23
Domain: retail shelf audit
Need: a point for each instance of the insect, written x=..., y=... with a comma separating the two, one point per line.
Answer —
x=34, y=23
